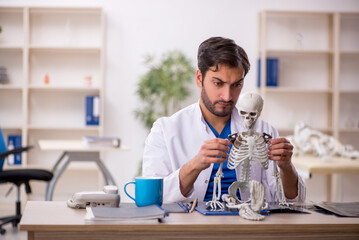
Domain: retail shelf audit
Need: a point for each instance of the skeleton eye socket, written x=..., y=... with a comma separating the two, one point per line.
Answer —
x=253, y=114
x=243, y=112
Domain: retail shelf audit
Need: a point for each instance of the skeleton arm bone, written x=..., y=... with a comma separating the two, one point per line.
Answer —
x=217, y=195
x=279, y=185
x=281, y=152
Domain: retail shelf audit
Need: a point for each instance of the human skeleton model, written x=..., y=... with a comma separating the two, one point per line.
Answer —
x=247, y=146
x=307, y=140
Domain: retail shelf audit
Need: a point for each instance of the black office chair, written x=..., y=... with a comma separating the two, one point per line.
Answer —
x=17, y=177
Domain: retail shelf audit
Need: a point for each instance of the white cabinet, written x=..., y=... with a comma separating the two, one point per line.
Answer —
x=318, y=56
x=54, y=58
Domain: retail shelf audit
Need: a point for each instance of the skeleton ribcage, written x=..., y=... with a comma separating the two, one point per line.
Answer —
x=251, y=148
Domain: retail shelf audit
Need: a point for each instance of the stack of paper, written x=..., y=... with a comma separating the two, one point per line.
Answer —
x=96, y=141
x=125, y=213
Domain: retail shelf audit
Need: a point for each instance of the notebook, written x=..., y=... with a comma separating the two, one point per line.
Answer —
x=126, y=213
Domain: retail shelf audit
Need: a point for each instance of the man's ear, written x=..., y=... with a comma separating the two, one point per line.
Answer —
x=199, y=78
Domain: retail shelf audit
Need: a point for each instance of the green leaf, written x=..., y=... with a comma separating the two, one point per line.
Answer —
x=164, y=86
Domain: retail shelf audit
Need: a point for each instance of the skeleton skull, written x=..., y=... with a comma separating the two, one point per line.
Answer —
x=250, y=107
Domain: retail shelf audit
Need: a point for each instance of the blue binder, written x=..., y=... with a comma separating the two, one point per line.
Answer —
x=203, y=209
x=273, y=207
x=92, y=110
x=14, y=141
x=272, y=72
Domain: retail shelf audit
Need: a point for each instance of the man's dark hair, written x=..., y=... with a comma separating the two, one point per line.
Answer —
x=218, y=50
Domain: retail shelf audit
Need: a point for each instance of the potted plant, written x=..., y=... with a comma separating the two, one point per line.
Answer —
x=163, y=87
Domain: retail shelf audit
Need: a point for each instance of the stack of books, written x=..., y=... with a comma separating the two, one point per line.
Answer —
x=126, y=213
x=97, y=141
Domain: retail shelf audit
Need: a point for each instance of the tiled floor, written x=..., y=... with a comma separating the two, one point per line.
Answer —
x=11, y=233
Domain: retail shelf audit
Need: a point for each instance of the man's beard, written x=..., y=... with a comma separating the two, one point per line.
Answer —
x=211, y=106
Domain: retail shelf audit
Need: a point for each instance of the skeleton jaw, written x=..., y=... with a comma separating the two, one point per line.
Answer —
x=249, y=123
x=249, y=118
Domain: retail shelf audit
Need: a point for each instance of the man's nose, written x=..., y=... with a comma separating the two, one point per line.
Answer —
x=226, y=94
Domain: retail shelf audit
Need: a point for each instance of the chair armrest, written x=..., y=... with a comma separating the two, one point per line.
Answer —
x=14, y=151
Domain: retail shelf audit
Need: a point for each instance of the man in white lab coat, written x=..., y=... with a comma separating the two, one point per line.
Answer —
x=187, y=147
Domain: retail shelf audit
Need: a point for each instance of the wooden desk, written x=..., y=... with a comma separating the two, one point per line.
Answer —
x=75, y=150
x=56, y=221
x=308, y=165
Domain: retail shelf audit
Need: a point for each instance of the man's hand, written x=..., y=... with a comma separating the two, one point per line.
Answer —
x=281, y=151
x=211, y=151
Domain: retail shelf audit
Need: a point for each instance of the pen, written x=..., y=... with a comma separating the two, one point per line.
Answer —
x=183, y=206
x=264, y=212
x=194, y=204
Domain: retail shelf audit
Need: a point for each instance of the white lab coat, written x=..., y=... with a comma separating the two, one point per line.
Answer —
x=175, y=140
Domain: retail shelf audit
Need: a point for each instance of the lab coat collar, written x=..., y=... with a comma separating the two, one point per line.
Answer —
x=236, y=120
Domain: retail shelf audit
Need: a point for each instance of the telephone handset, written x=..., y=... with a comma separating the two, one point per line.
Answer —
x=109, y=197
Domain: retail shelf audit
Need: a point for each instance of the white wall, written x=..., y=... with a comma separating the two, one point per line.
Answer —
x=136, y=28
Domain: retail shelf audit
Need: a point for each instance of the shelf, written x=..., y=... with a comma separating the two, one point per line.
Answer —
x=11, y=104
x=75, y=67
x=11, y=127
x=10, y=87
x=318, y=69
x=302, y=71
x=12, y=48
x=349, y=72
x=350, y=53
x=65, y=88
x=65, y=49
x=297, y=13
x=349, y=130
x=63, y=44
x=11, y=20
x=66, y=10
x=349, y=34
x=349, y=91
x=302, y=31
x=298, y=52
x=64, y=128
x=296, y=90
x=288, y=129
x=65, y=27
x=12, y=60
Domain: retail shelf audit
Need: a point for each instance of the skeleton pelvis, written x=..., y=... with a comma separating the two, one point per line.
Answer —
x=242, y=186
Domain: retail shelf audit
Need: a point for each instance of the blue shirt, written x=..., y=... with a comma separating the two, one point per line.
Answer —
x=229, y=176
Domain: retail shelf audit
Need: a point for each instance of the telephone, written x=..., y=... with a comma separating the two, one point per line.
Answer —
x=109, y=197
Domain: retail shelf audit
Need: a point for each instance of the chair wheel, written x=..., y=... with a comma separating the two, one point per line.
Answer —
x=2, y=231
x=14, y=224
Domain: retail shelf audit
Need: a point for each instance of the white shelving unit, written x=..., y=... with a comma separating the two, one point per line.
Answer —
x=348, y=72
x=318, y=56
x=67, y=45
